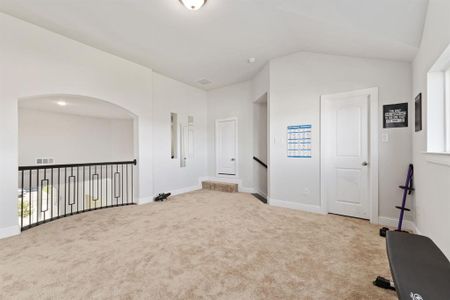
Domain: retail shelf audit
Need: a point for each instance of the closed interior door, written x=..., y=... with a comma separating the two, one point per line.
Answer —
x=226, y=147
x=345, y=153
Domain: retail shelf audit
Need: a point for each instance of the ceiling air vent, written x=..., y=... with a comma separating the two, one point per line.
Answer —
x=204, y=81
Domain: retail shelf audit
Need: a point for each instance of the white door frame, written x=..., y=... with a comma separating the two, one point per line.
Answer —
x=235, y=119
x=373, y=150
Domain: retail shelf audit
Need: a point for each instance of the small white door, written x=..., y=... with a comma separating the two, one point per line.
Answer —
x=226, y=147
x=345, y=154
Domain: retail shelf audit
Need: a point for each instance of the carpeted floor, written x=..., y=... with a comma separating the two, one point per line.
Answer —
x=200, y=245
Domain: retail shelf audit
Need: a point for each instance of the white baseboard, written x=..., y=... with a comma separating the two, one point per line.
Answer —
x=294, y=205
x=260, y=193
x=391, y=222
x=186, y=190
x=145, y=200
x=243, y=189
x=9, y=231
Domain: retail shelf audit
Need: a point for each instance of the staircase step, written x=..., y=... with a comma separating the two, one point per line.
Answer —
x=260, y=198
x=220, y=186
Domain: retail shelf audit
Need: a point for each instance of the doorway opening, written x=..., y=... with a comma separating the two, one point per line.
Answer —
x=76, y=154
x=260, y=148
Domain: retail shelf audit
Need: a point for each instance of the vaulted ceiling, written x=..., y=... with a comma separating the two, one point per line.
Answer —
x=215, y=42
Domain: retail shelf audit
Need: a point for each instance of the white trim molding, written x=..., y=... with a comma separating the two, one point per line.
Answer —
x=392, y=223
x=243, y=189
x=295, y=205
x=145, y=200
x=186, y=190
x=373, y=152
x=9, y=231
x=442, y=159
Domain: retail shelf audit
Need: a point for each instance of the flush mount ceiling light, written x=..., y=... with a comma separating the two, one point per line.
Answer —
x=193, y=4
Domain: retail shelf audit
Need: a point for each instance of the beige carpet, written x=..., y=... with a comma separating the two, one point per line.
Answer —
x=201, y=245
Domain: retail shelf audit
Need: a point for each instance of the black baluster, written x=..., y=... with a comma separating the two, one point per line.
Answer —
x=78, y=189
x=59, y=192
x=93, y=178
x=51, y=194
x=42, y=191
x=101, y=186
x=65, y=192
x=132, y=183
x=29, y=198
x=71, y=202
x=106, y=182
x=84, y=188
x=127, y=182
x=112, y=186
x=121, y=177
x=90, y=188
x=21, y=205
x=38, y=210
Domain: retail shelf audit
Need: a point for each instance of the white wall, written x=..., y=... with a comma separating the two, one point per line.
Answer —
x=172, y=96
x=34, y=61
x=46, y=135
x=261, y=83
x=431, y=180
x=227, y=102
x=296, y=83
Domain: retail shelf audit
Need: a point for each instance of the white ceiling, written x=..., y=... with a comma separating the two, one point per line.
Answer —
x=75, y=105
x=215, y=42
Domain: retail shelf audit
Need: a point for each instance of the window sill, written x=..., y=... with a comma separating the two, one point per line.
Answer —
x=438, y=158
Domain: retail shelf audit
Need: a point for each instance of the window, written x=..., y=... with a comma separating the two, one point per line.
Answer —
x=438, y=120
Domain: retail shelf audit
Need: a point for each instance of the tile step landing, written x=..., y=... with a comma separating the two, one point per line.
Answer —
x=220, y=186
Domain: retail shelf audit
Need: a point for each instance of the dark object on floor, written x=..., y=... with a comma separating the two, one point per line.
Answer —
x=407, y=190
x=260, y=198
x=383, y=231
x=162, y=196
x=384, y=283
x=419, y=268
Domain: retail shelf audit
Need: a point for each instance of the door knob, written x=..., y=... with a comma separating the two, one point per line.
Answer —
x=365, y=164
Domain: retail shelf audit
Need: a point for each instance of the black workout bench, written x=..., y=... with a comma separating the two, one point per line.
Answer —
x=419, y=269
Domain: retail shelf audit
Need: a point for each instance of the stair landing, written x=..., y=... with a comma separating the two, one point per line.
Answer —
x=220, y=186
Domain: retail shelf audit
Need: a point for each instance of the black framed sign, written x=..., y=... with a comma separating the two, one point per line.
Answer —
x=395, y=115
x=418, y=112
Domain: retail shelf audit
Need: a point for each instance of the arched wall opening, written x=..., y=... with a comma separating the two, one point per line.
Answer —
x=38, y=62
x=74, y=129
x=76, y=153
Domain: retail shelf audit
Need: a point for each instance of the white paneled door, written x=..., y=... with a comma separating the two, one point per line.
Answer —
x=345, y=154
x=226, y=147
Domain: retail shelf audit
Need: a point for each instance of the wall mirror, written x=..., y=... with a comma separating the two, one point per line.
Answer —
x=190, y=137
x=186, y=141
x=173, y=135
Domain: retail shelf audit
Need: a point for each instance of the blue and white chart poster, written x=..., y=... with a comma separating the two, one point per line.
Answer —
x=299, y=141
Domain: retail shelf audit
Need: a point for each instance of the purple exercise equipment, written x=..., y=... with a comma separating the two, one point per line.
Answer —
x=407, y=190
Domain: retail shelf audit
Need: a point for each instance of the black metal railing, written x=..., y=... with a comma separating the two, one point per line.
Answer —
x=50, y=192
x=260, y=162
